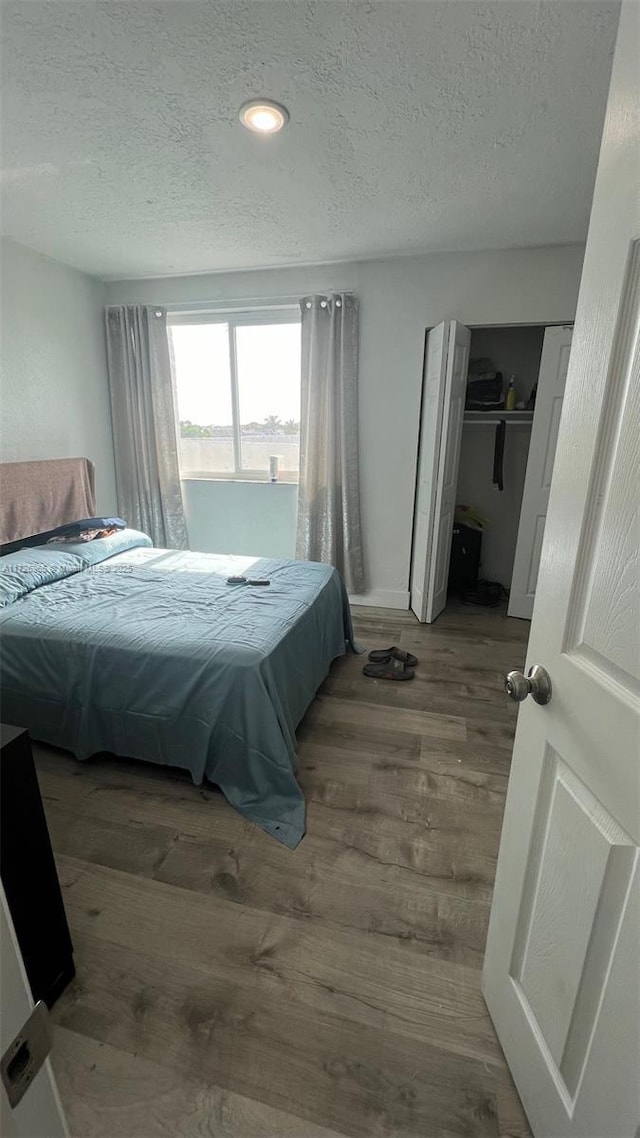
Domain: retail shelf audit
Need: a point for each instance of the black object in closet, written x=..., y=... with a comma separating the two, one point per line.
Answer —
x=498, y=455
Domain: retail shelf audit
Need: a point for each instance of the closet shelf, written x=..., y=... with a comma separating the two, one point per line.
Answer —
x=491, y=418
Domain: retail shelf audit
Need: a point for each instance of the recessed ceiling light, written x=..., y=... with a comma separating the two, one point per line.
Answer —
x=264, y=116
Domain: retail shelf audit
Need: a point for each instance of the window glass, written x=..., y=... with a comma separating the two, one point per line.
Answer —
x=203, y=388
x=268, y=362
x=252, y=367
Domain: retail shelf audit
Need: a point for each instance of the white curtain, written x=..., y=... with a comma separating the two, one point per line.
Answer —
x=329, y=497
x=144, y=423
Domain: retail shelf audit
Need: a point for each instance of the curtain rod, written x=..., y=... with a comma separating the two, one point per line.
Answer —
x=246, y=304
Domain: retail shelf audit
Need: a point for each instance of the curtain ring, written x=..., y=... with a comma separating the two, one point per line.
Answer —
x=323, y=304
x=308, y=304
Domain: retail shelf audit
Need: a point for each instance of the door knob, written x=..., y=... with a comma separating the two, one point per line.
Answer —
x=536, y=684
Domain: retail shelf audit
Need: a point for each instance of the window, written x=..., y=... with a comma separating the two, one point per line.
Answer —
x=238, y=393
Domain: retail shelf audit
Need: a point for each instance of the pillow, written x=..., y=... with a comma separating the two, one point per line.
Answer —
x=93, y=552
x=26, y=569
x=23, y=571
x=69, y=529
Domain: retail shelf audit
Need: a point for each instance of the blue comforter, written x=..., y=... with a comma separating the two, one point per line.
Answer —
x=116, y=646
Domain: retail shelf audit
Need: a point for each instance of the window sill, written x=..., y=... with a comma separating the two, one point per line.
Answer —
x=251, y=479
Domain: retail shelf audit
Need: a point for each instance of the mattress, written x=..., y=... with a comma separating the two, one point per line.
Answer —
x=116, y=646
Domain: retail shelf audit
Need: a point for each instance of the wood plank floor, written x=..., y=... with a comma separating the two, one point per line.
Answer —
x=229, y=987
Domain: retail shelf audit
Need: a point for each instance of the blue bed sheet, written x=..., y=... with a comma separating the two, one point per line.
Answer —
x=115, y=646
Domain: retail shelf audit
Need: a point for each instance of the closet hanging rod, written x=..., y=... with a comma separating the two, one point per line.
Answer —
x=492, y=418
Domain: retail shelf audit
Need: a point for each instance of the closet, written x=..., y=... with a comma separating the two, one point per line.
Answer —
x=457, y=456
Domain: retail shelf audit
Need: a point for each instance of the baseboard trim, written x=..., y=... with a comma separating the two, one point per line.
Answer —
x=382, y=599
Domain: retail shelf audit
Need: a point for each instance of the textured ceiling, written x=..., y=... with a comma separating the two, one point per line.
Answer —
x=414, y=126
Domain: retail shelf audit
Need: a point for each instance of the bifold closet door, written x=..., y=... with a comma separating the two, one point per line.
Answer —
x=433, y=385
x=443, y=399
x=535, y=498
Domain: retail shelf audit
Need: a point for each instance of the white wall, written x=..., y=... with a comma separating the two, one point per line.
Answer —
x=241, y=517
x=54, y=400
x=399, y=298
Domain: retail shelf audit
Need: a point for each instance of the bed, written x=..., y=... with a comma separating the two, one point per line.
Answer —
x=113, y=645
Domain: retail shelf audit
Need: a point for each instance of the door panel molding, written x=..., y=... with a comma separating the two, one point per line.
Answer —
x=605, y=594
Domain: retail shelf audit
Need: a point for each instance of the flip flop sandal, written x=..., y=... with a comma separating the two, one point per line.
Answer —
x=392, y=670
x=382, y=655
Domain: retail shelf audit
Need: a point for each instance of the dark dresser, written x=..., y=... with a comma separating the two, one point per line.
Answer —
x=28, y=871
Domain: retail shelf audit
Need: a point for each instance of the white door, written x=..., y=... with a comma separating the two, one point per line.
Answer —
x=535, y=498
x=39, y=1113
x=445, y=385
x=561, y=975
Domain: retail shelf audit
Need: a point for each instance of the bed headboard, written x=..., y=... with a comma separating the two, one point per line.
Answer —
x=38, y=496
